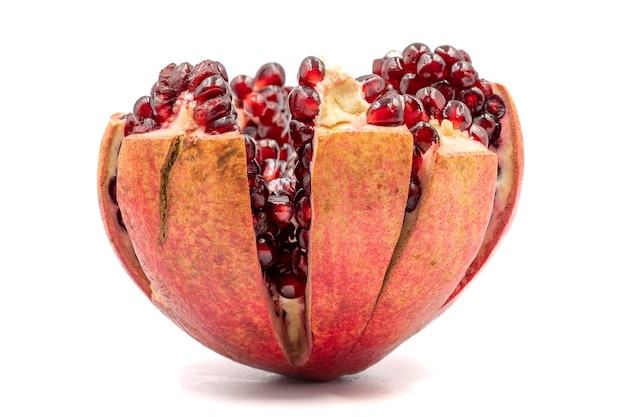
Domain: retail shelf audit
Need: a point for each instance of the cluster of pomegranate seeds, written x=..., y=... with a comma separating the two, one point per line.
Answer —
x=440, y=84
x=206, y=81
x=279, y=130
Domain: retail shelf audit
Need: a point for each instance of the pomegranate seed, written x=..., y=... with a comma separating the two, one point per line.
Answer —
x=485, y=86
x=211, y=87
x=495, y=105
x=415, y=191
x=302, y=234
x=289, y=286
x=179, y=78
x=311, y=71
x=446, y=89
x=392, y=71
x=411, y=54
x=424, y=135
x=211, y=110
x=205, y=69
x=254, y=105
x=266, y=249
x=303, y=211
x=280, y=208
x=301, y=132
x=457, y=112
x=377, y=65
x=142, y=108
x=146, y=125
x=433, y=101
x=462, y=75
x=474, y=98
x=464, y=55
x=271, y=73
x=162, y=106
x=300, y=262
x=253, y=168
x=272, y=168
x=241, y=86
x=449, y=54
x=266, y=149
x=250, y=147
x=387, y=110
x=258, y=193
x=224, y=124
x=490, y=124
x=414, y=111
x=430, y=67
x=372, y=85
x=263, y=225
x=304, y=103
x=305, y=153
x=479, y=134
x=417, y=160
x=113, y=189
x=410, y=83
x=130, y=124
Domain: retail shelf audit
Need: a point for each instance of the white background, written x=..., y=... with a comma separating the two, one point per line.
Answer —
x=539, y=333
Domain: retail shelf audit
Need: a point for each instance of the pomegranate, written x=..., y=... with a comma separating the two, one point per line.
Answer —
x=310, y=229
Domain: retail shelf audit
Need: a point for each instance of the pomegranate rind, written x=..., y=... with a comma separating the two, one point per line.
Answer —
x=187, y=211
x=359, y=188
x=118, y=237
x=439, y=241
x=510, y=151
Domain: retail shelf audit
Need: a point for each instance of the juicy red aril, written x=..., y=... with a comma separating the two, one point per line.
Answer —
x=300, y=262
x=179, y=78
x=462, y=75
x=211, y=87
x=305, y=154
x=479, y=134
x=258, y=193
x=303, y=211
x=311, y=71
x=250, y=148
x=446, y=89
x=387, y=110
x=424, y=135
x=289, y=286
x=241, y=86
x=433, y=101
x=490, y=124
x=272, y=168
x=205, y=69
x=262, y=224
x=162, y=106
x=449, y=54
x=304, y=103
x=279, y=208
x=457, y=112
x=431, y=67
x=474, y=99
x=301, y=132
x=266, y=249
x=271, y=73
x=142, y=109
x=412, y=52
x=302, y=235
x=267, y=149
x=415, y=191
x=495, y=106
x=211, y=110
x=414, y=111
x=417, y=160
x=392, y=71
x=372, y=86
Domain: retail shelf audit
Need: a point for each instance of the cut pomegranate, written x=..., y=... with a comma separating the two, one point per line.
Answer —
x=310, y=229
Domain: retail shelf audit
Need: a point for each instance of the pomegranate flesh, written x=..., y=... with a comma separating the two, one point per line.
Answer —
x=310, y=229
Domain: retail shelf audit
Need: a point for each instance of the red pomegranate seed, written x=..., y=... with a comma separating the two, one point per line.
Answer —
x=162, y=106
x=289, y=286
x=372, y=85
x=449, y=54
x=417, y=160
x=301, y=132
x=302, y=235
x=211, y=87
x=415, y=191
x=465, y=56
x=457, y=112
x=462, y=75
x=250, y=147
x=211, y=110
x=254, y=105
x=392, y=71
x=311, y=71
x=305, y=153
x=205, y=69
x=430, y=67
x=485, y=86
x=266, y=249
x=272, y=168
x=494, y=105
x=224, y=124
x=258, y=193
x=303, y=211
x=410, y=83
x=479, y=134
x=490, y=124
x=446, y=89
x=304, y=103
x=142, y=109
x=474, y=98
x=424, y=135
x=411, y=54
x=414, y=111
x=266, y=149
x=262, y=224
x=280, y=208
x=377, y=65
x=241, y=86
x=179, y=78
x=433, y=101
x=300, y=262
x=271, y=73
x=387, y=110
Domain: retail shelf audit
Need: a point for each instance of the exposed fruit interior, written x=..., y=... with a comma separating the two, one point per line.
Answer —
x=435, y=96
